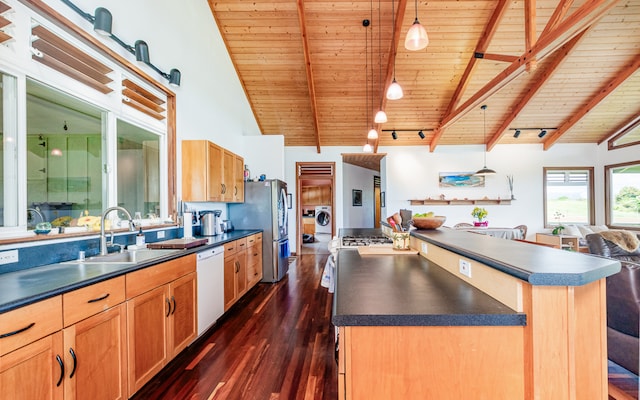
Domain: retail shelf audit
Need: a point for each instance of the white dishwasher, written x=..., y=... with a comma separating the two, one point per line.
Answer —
x=210, y=270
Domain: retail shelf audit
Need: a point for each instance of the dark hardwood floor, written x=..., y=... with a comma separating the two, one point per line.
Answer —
x=276, y=343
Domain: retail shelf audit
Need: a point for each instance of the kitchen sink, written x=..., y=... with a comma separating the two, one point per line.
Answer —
x=126, y=257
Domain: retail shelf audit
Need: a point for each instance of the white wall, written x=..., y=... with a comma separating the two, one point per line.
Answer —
x=355, y=177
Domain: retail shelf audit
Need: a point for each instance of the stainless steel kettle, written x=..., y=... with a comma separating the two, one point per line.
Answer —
x=209, y=220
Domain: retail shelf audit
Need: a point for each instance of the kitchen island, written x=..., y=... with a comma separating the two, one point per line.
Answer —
x=523, y=322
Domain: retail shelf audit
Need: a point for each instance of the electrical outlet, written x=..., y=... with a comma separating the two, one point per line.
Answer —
x=160, y=234
x=465, y=268
x=9, y=257
x=423, y=248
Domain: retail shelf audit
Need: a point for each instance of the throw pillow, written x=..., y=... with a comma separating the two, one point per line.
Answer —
x=599, y=228
x=585, y=230
x=572, y=230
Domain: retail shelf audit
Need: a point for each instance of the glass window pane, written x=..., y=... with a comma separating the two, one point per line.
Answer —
x=8, y=153
x=624, y=195
x=138, y=170
x=568, y=194
x=64, y=155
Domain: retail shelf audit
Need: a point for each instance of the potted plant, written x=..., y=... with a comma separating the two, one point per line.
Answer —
x=557, y=230
x=480, y=214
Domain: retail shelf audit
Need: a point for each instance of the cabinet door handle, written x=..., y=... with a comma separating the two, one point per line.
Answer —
x=173, y=299
x=59, y=360
x=255, y=254
x=237, y=266
x=75, y=362
x=98, y=299
x=235, y=190
x=4, y=335
x=169, y=307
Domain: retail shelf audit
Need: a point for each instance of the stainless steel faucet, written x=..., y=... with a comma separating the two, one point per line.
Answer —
x=103, y=237
x=36, y=211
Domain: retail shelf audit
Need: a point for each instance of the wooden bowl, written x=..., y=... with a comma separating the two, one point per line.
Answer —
x=428, y=222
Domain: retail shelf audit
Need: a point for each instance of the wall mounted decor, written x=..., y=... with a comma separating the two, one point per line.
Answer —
x=357, y=197
x=460, y=179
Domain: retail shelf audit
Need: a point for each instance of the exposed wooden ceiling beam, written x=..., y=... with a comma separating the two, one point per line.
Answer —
x=558, y=15
x=627, y=127
x=619, y=78
x=496, y=57
x=481, y=47
x=584, y=16
x=309, y=70
x=562, y=54
x=530, y=35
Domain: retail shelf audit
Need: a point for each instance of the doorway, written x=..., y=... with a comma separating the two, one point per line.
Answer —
x=315, y=206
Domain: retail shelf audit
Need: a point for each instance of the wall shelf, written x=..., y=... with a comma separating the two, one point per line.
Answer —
x=452, y=202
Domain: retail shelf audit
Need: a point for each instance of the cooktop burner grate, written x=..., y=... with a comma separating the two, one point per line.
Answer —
x=348, y=241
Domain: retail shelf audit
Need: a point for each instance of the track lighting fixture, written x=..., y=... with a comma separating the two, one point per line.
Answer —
x=102, y=24
x=421, y=134
x=541, y=131
x=394, y=135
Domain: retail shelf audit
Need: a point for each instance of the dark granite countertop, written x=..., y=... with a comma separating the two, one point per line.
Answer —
x=537, y=265
x=28, y=286
x=408, y=290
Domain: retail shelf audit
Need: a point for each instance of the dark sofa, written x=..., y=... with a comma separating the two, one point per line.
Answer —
x=623, y=302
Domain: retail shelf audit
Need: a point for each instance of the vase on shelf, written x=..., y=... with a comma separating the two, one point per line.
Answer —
x=481, y=224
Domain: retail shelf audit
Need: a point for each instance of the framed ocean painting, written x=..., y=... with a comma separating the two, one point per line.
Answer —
x=460, y=179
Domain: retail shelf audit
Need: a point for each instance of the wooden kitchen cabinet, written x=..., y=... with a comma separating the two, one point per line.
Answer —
x=316, y=196
x=235, y=271
x=97, y=368
x=161, y=316
x=309, y=225
x=95, y=341
x=34, y=371
x=254, y=260
x=209, y=173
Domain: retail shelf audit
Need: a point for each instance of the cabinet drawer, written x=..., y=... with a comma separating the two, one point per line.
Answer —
x=85, y=302
x=254, y=240
x=151, y=277
x=29, y=323
x=241, y=244
x=230, y=248
x=254, y=255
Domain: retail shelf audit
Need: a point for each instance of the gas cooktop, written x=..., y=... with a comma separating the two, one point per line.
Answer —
x=349, y=241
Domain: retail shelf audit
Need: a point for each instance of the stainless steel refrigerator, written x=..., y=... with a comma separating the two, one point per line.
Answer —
x=266, y=207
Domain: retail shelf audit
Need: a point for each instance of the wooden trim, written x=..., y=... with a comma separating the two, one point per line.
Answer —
x=4, y=37
x=142, y=108
x=129, y=84
x=4, y=22
x=607, y=193
x=4, y=7
x=142, y=100
x=63, y=68
x=627, y=127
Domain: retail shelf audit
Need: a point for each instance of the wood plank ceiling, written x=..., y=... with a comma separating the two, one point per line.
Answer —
x=313, y=73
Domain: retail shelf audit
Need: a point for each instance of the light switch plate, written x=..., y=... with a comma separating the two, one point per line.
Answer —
x=465, y=268
x=160, y=234
x=423, y=248
x=9, y=257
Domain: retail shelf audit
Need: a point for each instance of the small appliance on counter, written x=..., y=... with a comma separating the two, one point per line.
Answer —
x=226, y=226
x=210, y=222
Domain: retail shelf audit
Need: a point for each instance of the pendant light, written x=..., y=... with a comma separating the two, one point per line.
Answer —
x=394, y=91
x=417, y=38
x=484, y=170
x=372, y=134
x=381, y=116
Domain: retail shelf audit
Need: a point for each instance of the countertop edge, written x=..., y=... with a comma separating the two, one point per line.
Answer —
x=27, y=300
x=516, y=319
x=609, y=266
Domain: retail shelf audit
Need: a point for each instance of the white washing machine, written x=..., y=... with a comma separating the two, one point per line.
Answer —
x=323, y=219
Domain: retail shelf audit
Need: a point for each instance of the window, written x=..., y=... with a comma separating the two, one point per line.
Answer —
x=622, y=201
x=8, y=153
x=64, y=155
x=568, y=196
x=138, y=170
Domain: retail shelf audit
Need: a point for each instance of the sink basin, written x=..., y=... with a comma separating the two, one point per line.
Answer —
x=126, y=257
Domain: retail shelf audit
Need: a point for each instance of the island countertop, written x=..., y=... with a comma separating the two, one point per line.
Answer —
x=537, y=265
x=408, y=290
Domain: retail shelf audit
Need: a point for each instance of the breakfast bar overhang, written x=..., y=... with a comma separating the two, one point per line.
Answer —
x=519, y=322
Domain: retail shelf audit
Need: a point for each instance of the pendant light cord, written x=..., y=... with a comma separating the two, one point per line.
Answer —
x=484, y=134
x=380, y=51
x=372, y=73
